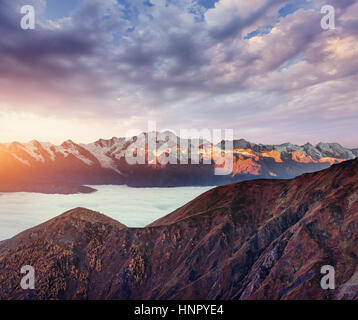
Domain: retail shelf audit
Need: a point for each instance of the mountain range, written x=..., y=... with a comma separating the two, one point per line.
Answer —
x=261, y=239
x=66, y=168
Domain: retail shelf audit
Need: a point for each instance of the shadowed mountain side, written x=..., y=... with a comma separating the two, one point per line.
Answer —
x=258, y=239
x=46, y=188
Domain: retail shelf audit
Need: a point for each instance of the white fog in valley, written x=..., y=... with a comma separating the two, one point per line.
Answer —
x=132, y=206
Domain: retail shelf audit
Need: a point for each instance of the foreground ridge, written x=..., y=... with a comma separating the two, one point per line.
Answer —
x=262, y=239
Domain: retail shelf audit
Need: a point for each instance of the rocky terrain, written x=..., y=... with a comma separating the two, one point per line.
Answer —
x=104, y=162
x=262, y=239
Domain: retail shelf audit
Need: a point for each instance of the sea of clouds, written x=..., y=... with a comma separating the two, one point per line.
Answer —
x=132, y=206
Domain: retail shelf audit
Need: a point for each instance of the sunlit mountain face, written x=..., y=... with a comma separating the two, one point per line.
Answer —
x=25, y=167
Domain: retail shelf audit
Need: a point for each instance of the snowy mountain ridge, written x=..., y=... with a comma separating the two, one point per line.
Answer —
x=104, y=161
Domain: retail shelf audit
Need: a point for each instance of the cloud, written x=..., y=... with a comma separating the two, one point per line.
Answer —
x=185, y=63
x=138, y=208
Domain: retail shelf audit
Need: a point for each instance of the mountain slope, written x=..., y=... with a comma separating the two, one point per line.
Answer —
x=263, y=239
x=103, y=162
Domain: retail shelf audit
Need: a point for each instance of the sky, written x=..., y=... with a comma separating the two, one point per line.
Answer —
x=99, y=68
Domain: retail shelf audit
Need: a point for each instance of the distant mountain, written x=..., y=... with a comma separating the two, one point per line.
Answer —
x=262, y=239
x=46, y=188
x=103, y=162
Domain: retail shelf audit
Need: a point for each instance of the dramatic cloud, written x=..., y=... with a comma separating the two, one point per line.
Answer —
x=264, y=67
